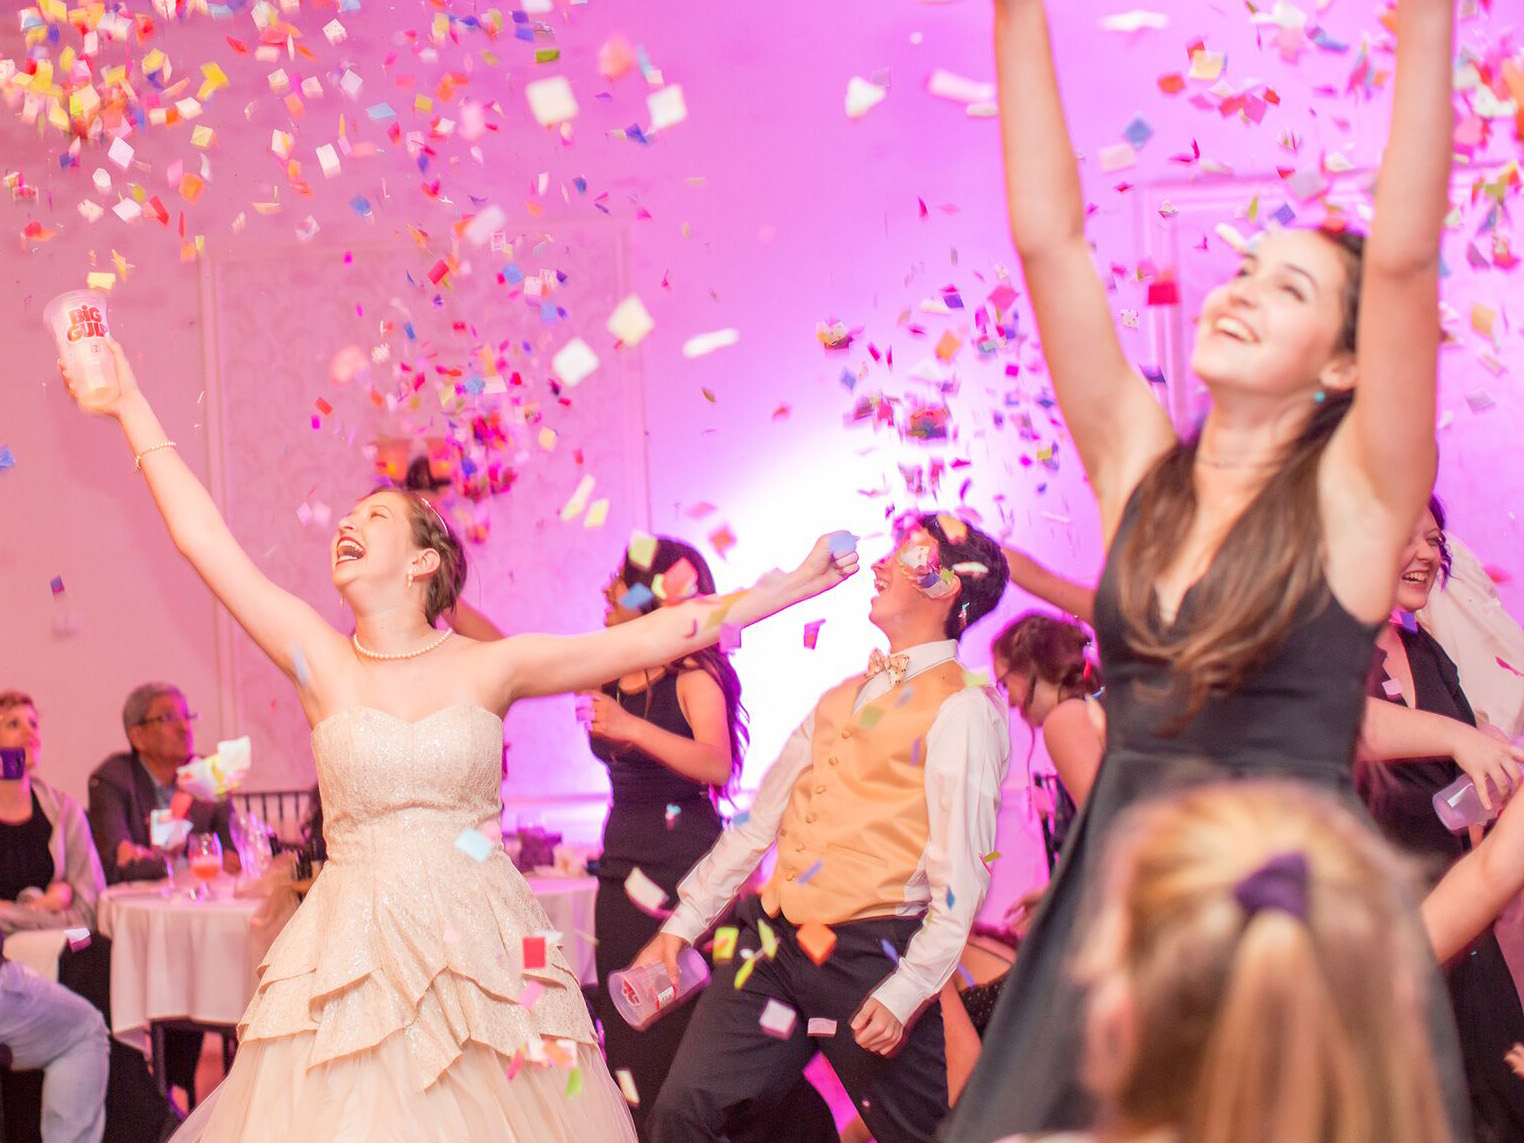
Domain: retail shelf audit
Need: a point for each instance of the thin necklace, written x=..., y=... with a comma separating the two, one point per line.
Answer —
x=1210, y=463
x=369, y=654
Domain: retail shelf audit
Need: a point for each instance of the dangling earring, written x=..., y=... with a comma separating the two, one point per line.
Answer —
x=410, y=581
x=963, y=616
x=1321, y=395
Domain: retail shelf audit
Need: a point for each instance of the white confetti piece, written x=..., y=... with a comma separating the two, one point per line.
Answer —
x=573, y=362
x=645, y=893
x=120, y=153
x=820, y=1026
x=631, y=321
x=667, y=107
x=704, y=344
x=551, y=100
x=778, y=1019
x=863, y=96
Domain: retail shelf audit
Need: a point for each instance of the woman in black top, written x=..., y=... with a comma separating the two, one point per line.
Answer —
x=1413, y=670
x=672, y=740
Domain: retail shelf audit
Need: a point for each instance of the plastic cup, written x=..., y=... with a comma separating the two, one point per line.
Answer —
x=78, y=322
x=1460, y=807
x=642, y=994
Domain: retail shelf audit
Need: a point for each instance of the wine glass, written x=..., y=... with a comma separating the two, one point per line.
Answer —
x=204, y=852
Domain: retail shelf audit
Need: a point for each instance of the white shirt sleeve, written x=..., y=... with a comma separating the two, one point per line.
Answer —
x=966, y=754
x=713, y=883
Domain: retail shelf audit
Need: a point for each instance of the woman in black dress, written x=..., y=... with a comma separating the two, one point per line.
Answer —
x=1414, y=671
x=1249, y=566
x=673, y=740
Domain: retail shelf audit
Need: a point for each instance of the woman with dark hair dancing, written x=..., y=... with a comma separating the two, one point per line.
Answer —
x=1251, y=564
x=404, y=999
x=672, y=737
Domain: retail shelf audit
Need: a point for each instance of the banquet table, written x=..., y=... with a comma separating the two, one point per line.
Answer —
x=182, y=962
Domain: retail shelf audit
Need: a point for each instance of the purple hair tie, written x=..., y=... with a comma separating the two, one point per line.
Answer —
x=1280, y=884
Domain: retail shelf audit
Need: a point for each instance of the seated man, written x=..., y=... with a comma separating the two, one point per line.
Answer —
x=127, y=787
x=45, y=1026
x=883, y=807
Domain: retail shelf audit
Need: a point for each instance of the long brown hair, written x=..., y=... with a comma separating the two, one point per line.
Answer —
x=1269, y=568
x=1263, y=1025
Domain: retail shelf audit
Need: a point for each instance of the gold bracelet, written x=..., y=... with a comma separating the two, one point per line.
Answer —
x=138, y=460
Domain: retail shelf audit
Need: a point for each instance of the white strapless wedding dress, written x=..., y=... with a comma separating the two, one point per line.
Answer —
x=395, y=1007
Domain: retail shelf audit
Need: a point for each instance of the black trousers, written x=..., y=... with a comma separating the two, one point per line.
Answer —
x=727, y=1062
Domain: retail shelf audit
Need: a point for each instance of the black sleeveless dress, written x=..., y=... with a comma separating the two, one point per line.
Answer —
x=1400, y=796
x=1297, y=718
x=661, y=823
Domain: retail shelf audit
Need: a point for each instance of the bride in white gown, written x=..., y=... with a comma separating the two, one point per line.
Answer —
x=397, y=1004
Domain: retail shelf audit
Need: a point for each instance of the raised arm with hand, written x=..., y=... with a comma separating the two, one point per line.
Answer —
x=1066, y=594
x=1117, y=425
x=1379, y=469
x=274, y=618
x=529, y=666
x=1478, y=887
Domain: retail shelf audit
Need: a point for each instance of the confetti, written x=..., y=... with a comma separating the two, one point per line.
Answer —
x=56, y=585
x=597, y=514
x=889, y=950
x=579, y=498
x=725, y=938
x=530, y=994
x=647, y=895
x=627, y=1086
x=534, y=952
x=630, y=322
x=551, y=100
x=574, y=1083
x=674, y=811
x=7, y=458
x=808, y=874
x=704, y=344
x=778, y=1019
x=636, y=597
x=769, y=939
x=812, y=633
x=474, y=844
x=863, y=96
x=816, y=940
x=842, y=543
x=743, y=974
x=667, y=107
x=820, y=1026
x=1135, y=21
x=77, y=938
x=574, y=362
x=642, y=550
x=948, y=85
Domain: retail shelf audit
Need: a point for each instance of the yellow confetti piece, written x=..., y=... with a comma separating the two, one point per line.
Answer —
x=631, y=322
x=578, y=502
x=642, y=549
x=1206, y=65
x=548, y=438
x=627, y=1086
x=743, y=974
x=597, y=514
x=1482, y=319
x=574, y=1083
x=769, y=939
x=215, y=79
x=100, y=280
x=725, y=938
x=202, y=137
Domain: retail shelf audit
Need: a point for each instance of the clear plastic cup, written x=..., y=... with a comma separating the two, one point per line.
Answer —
x=1460, y=807
x=642, y=994
x=78, y=322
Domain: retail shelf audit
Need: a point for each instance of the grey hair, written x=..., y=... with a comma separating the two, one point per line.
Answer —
x=135, y=709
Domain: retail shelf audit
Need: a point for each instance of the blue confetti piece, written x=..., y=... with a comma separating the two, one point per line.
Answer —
x=547, y=311
x=407, y=328
x=381, y=111
x=299, y=666
x=56, y=583
x=523, y=32
x=889, y=951
x=804, y=878
x=740, y=819
x=7, y=458
x=1408, y=620
x=1285, y=216
x=474, y=844
x=636, y=597
x=360, y=205
x=581, y=184
x=842, y=543
x=950, y=898
x=968, y=977
x=512, y=274
x=1138, y=132
x=848, y=380
x=475, y=384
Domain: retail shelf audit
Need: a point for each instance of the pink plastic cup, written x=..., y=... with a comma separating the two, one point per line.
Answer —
x=78, y=322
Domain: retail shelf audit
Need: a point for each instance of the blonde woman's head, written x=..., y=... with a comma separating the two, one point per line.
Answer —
x=1255, y=974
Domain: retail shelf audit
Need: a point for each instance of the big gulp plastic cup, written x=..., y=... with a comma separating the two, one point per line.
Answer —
x=78, y=322
x=642, y=994
x=1460, y=807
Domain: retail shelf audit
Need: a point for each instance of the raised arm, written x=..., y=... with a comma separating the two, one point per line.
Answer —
x=1068, y=595
x=275, y=619
x=529, y=666
x=1117, y=425
x=1388, y=438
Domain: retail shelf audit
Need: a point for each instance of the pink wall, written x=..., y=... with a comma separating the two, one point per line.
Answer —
x=767, y=211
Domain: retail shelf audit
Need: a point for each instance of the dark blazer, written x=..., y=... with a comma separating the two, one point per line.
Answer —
x=121, y=798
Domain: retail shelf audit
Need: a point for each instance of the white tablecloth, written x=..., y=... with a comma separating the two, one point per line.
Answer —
x=173, y=958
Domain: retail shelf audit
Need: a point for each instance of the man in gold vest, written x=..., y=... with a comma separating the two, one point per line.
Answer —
x=882, y=806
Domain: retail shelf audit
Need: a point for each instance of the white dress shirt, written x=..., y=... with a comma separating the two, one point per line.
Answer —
x=967, y=750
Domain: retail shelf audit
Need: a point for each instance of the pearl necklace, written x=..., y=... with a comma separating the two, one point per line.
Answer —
x=369, y=654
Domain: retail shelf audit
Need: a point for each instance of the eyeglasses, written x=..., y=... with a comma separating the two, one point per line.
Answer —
x=164, y=719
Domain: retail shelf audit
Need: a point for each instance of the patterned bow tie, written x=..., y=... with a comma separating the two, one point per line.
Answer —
x=895, y=665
